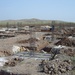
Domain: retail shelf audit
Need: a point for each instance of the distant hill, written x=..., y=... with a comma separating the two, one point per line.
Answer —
x=30, y=21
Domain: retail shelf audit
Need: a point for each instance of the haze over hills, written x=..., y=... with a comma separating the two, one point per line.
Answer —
x=30, y=21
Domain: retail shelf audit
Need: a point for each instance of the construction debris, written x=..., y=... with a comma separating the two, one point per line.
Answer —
x=4, y=53
x=66, y=42
x=69, y=52
x=3, y=61
x=28, y=40
x=16, y=49
x=57, y=55
x=55, y=66
x=13, y=62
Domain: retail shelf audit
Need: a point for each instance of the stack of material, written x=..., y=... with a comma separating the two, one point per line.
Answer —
x=66, y=42
x=55, y=66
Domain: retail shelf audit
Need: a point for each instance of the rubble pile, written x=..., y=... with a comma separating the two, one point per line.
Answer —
x=67, y=32
x=13, y=62
x=70, y=52
x=28, y=40
x=66, y=42
x=72, y=31
x=23, y=41
x=55, y=66
x=4, y=53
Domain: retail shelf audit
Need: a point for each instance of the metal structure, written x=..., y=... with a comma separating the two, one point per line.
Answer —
x=52, y=30
x=32, y=40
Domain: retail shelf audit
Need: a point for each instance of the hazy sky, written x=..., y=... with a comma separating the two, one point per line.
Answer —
x=41, y=9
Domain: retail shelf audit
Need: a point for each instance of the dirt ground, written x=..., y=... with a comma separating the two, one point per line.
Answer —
x=31, y=66
x=6, y=44
x=28, y=66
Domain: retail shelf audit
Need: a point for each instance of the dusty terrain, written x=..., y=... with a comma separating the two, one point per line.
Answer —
x=30, y=65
